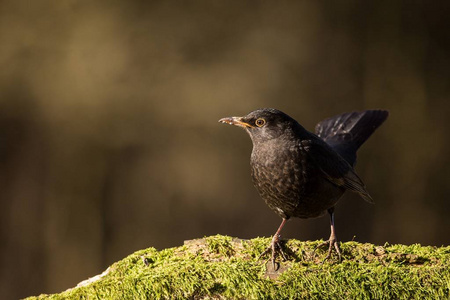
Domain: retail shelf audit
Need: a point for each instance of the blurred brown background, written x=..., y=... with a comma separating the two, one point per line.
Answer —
x=109, y=140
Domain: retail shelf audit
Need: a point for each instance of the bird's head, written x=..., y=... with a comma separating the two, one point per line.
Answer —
x=264, y=124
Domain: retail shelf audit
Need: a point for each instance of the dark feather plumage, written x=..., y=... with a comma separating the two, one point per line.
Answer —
x=347, y=132
x=301, y=174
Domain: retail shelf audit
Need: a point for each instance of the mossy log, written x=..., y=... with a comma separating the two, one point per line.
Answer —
x=221, y=267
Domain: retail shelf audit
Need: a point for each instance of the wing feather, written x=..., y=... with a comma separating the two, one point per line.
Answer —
x=335, y=168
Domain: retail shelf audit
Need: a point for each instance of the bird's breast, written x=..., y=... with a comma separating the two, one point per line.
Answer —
x=279, y=178
x=289, y=183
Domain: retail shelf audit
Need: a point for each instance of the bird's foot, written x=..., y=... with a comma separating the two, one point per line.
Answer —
x=275, y=247
x=331, y=243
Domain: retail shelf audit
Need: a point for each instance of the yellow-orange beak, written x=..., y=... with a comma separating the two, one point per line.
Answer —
x=237, y=121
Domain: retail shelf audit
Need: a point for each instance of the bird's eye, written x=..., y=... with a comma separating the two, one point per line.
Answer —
x=260, y=122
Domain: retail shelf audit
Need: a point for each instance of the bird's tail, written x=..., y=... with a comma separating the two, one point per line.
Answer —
x=347, y=132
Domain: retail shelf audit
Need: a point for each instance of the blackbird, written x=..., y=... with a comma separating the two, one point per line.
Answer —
x=302, y=174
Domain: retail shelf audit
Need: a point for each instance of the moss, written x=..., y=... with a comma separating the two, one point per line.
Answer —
x=220, y=245
x=220, y=267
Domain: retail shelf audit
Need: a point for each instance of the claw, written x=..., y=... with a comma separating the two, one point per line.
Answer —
x=275, y=247
x=330, y=243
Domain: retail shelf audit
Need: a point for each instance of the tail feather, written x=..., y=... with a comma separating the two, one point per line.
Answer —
x=347, y=132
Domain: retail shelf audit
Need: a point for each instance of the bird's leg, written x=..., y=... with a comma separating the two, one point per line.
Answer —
x=275, y=245
x=332, y=241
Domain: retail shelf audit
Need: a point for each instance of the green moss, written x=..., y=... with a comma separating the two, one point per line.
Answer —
x=220, y=267
x=220, y=245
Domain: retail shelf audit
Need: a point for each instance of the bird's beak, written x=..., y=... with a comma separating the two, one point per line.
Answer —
x=235, y=121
